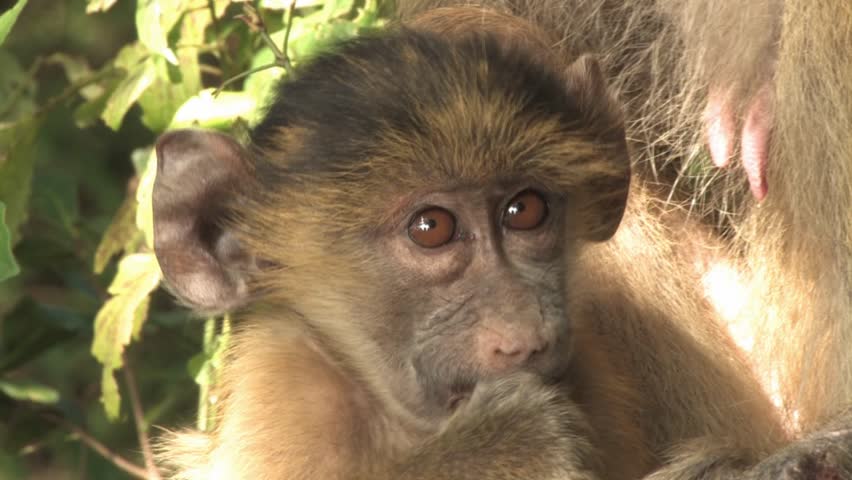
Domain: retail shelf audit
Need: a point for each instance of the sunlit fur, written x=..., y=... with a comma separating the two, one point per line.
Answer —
x=686, y=223
x=792, y=252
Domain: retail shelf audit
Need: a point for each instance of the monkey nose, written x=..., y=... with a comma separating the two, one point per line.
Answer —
x=500, y=351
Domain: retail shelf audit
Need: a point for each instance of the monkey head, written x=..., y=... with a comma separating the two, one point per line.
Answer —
x=413, y=201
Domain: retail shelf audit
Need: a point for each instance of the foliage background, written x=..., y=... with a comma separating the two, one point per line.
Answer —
x=92, y=352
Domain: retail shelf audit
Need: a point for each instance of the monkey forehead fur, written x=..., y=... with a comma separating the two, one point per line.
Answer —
x=428, y=110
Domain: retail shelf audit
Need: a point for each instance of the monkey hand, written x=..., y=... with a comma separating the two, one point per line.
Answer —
x=824, y=456
x=514, y=427
x=719, y=121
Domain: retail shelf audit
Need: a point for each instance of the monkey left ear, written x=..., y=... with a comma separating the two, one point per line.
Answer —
x=202, y=261
x=606, y=192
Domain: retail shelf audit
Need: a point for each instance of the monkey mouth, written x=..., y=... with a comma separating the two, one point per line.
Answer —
x=460, y=392
x=456, y=400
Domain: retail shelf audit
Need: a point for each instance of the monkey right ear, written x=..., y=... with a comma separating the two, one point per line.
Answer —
x=585, y=81
x=203, y=263
x=607, y=193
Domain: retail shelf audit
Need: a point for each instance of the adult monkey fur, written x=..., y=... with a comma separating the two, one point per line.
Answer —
x=654, y=383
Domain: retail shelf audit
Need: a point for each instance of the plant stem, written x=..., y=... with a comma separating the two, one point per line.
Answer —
x=101, y=449
x=139, y=420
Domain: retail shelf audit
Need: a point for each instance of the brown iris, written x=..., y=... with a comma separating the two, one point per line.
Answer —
x=432, y=227
x=526, y=211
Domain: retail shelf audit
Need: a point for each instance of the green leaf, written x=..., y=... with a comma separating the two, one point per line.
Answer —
x=336, y=9
x=138, y=79
x=259, y=84
x=8, y=19
x=8, y=266
x=94, y=6
x=285, y=4
x=32, y=328
x=29, y=391
x=154, y=19
x=198, y=368
x=55, y=201
x=121, y=318
x=11, y=466
x=76, y=69
x=162, y=99
x=308, y=36
x=16, y=172
x=208, y=111
x=17, y=91
x=87, y=113
x=313, y=34
x=174, y=85
x=369, y=16
x=120, y=234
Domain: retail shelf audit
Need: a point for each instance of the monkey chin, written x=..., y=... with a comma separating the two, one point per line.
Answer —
x=461, y=391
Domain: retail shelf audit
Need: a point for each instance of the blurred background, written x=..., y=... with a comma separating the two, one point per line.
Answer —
x=95, y=358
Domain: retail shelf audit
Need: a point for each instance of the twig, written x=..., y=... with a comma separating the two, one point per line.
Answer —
x=286, y=59
x=243, y=75
x=139, y=420
x=101, y=449
x=255, y=22
x=72, y=89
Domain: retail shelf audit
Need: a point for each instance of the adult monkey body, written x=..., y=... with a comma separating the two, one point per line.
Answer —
x=323, y=382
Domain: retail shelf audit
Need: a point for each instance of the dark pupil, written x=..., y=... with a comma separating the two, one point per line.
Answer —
x=517, y=208
x=427, y=224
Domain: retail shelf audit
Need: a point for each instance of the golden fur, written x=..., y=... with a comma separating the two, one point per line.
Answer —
x=694, y=372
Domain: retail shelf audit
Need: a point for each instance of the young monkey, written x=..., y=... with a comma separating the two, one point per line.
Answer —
x=418, y=243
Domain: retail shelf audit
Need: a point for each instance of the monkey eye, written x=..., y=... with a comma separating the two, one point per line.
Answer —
x=432, y=228
x=526, y=211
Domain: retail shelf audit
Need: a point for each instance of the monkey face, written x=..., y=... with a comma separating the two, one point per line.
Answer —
x=413, y=201
x=482, y=271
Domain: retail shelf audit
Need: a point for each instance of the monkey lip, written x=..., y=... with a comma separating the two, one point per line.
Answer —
x=456, y=401
x=459, y=393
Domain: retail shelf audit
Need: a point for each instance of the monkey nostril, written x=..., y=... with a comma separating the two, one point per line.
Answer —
x=518, y=352
x=542, y=347
x=509, y=352
x=500, y=350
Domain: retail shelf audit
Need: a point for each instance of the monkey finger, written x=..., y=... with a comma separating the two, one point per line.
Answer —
x=719, y=127
x=825, y=457
x=755, y=141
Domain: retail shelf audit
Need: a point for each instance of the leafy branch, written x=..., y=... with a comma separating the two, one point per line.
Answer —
x=255, y=22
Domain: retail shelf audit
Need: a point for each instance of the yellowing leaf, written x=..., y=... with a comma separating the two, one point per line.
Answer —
x=120, y=233
x=121, y=318
x=144, y=192
x=110, y=397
